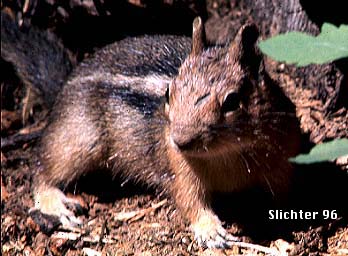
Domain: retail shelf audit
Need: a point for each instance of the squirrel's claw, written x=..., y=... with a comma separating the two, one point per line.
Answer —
x=209, y=232
x=52, y=201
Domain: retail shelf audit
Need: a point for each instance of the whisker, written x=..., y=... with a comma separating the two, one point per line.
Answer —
x=245, y=162
x=254, y=157
x=268, y=184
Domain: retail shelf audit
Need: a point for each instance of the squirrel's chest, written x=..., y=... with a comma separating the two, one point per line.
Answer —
x=227, y=175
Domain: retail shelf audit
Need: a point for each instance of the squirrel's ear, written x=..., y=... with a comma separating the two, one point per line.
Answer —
x=198, y=36
x=243, y=48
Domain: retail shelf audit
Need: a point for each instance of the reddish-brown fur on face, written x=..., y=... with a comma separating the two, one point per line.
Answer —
x=205, y=80
x=198, y=92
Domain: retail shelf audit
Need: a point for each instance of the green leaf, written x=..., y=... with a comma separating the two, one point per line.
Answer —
x=303, y=49
x=327, y=151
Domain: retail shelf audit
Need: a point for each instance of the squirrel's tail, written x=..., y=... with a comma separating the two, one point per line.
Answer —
x=38, y=57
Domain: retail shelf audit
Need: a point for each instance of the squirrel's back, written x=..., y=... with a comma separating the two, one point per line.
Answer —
x=156, y=57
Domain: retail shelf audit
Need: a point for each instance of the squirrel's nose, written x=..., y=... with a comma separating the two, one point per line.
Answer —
x=182, y=142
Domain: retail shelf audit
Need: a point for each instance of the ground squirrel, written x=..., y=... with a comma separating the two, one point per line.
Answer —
x=171, y=112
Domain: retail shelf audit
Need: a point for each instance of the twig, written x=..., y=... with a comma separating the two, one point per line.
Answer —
x=136, y=215
x=256, y=247
x=103, y=230
x=18, y=139
x=91, y=252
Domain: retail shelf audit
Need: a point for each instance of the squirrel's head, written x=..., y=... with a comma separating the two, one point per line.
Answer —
x=207, y=100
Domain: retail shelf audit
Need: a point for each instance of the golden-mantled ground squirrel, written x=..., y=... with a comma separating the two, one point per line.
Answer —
x=171, y=112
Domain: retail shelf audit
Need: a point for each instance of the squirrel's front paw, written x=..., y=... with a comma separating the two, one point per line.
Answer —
x=52, y=201
x=209, y=232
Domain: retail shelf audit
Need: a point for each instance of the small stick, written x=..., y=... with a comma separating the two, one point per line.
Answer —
x=18, y=139
x=136, y=215
x=259, y=248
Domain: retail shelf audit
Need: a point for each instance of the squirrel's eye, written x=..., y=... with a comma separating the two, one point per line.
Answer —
x=167, y=95
x=231, y=103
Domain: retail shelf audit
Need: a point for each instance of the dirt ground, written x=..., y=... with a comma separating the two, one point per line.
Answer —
x=122, y=218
